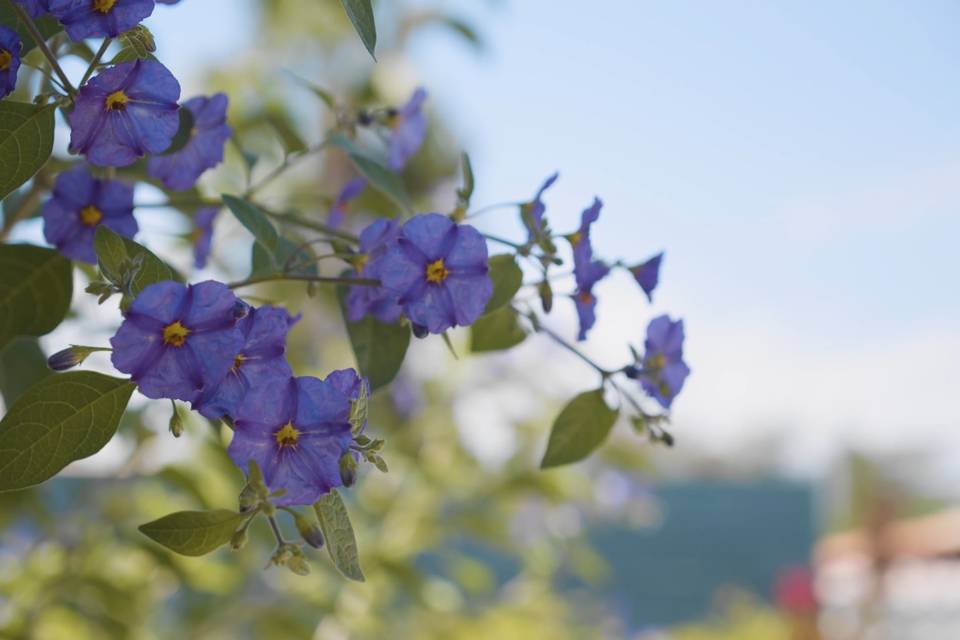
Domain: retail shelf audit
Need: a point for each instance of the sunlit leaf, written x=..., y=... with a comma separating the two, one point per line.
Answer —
x=579, y=429
x=496, y=331
x=116, y=255
x=60, y=419
x=338, y=533
x=194, y=533
x=506, y=277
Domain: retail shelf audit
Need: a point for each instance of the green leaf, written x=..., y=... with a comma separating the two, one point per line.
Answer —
x=289, y=257
x=338, y=533
x=26, y=140
x=47, y=25
x=36, y=286
x=378, y=347
x=22, y=364
x=117, y=255
x=255, y=221
x=140, y=41
x=317, y=90
x=579, y=429
x=289, y=138
x=194, y=533
x=184, y=132
x=360, y=13
x=506, y=277
x=60, y=419
x=379, y=177
x=496, y=331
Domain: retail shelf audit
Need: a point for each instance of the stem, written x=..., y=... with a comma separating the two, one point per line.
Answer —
x=46, y=74
x=288, y=162
x=365, y=282
x=96, y=60
x=42, y=44
x=294, y=219
x=276, y=530
x=572, y=349
x=509, y=243
x=491, y=207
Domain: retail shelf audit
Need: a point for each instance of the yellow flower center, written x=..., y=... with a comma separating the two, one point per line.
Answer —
x=658, y=361
x=437, y=272
x=360, y=261
x=237, y=362
x=585, y=297
x=175, y=334
x=287, y=435
x=90, y=216
x=103, y=6
x=117, y=101
x=5, y=59
x=575, y=238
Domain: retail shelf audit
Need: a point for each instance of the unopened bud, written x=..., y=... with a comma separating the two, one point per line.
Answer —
x=239, y=538
x=299, y=565
x=631, y=372
x=71, y=357
x=176, y=423
x=309, y=531
x=348, y=469
x=419, y=331
x=546, y=295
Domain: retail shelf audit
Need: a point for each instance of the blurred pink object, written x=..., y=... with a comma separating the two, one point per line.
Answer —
x=794, y=592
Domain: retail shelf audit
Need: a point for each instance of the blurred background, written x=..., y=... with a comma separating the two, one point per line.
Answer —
x=799, y=165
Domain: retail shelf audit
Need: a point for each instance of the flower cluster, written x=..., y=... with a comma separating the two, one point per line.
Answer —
x=200, y=344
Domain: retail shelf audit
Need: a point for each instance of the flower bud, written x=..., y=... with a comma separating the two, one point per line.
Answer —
x=298, y=564
x=239, y=538
x=309, y=530
x=348, y=469
x=419, y=331
x=71, y=357
x=176, y=423
x=631, y=372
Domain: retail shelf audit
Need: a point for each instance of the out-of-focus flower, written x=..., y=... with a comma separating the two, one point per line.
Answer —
x=379, y=301
x=408, y=130
x=202, y=235
x=338, y=210
x=664, y=371
x=180, y=170
x=647, y=274
x=10, y=46
x=78, y=205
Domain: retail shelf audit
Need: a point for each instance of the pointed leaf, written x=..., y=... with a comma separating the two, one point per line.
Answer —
x=60, y=419
x=26, y=140
x=115, y=254
x=338, y=532
x=496, y=331
x=255, y=221
x=194, y=533
x=579, y=429
x=506, y=277
x=378, y=347
x=360, y=13
x=36, y=286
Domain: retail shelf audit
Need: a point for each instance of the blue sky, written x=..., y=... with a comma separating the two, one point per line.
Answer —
x=799, y=162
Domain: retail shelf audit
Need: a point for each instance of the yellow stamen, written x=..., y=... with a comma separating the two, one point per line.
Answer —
x=360, y=261
x=287, y=435
x=437, y=272
x=5, y=59
x=90, y=216
x=103, y=6
x=237, y=362
x=117, y=101
x=175, y=334
x=575, y=238
x=658, y=361
x=585, y=297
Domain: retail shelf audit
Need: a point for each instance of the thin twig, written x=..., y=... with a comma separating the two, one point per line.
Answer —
x=96, y=60
x=363, y=282
x=42, y=44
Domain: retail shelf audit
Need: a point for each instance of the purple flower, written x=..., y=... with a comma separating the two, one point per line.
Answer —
x=179, y=340
x=202, y=235
x=168, y=1
x=99, y=18
x=125, y=112
x=381, y=301
x=338, y=210
x=296, y=430
x=408, y=129
x=9, y=60
x=439, y=271
x=180, y=170
x=261, y=359
x=34, y=8
x=586, y=271
x=79, y=204
x=647, y=274
x=532, y=212
x=664, y=370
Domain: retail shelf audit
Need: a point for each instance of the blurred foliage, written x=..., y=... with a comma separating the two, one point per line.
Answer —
x=741, y=618
x=452, y=546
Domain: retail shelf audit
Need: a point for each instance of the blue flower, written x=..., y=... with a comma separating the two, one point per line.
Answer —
x=262, y=359
x=35, y=8
x=296, y=430
x=664, y=371
x=586, y=271
x=202, y=235
x=439, y=271
x=125, y=112
x=9, y=60
x=647, y=274
x=78, y=204
x=532, y=212
x=180, y=170
x=338, y=210
x=99, y=18
x=179, y=340
x=408, y=130
x=380, y=301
